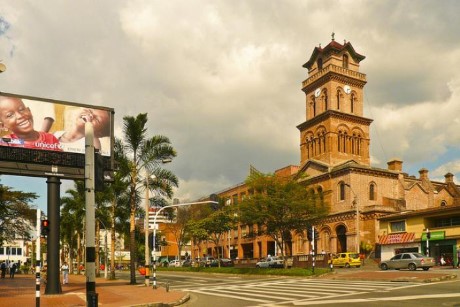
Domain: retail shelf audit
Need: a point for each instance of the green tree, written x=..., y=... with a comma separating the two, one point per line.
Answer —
x=179, y=228
x=119, y=201
x=16, y=215
x=145, y=155
x=216, y=225
x=280, y=206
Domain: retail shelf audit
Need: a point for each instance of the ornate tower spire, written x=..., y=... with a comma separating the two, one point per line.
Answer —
x=335, y=130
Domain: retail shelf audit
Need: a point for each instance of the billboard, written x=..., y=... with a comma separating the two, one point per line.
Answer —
x=36, y=131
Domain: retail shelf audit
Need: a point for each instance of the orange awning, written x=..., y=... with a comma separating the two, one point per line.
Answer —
x=397, y=238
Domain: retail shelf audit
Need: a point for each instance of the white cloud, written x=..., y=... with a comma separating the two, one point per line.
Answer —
x=222, y=78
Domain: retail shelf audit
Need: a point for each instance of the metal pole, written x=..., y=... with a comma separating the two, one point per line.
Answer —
x=229, y=256
x=53, y=285
x=146, y=230
x=105, y=266
x=154, y=251
x=313, y=247
x=427, y=243
x=357, y=224
x=90, y=270
x=158, y=210
x=37, y=260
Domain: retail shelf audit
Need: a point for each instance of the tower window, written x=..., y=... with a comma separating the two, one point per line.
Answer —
x=320, y=64
x=338, y=100
x=314, y=106
x=345, y=61
x=372, y=191
x=325, y=101
x=352, y=101
x=342, y=191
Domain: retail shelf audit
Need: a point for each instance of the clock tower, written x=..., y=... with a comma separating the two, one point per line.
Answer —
x=335, y=130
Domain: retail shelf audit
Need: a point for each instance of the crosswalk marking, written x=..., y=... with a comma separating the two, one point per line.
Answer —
x=276, y=292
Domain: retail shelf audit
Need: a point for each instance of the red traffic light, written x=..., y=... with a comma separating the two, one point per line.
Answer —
x=45, y=223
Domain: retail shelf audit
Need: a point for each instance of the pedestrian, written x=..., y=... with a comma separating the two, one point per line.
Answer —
x=3, y=268
x=12, y=269
x=65, y=273
x=458, y=257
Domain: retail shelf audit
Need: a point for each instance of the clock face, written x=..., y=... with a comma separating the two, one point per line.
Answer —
x=317, y=92
x=347, y=89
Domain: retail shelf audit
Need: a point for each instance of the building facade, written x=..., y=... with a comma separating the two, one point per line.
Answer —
x=335, y=162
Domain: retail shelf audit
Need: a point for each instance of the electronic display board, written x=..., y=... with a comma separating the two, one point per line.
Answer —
x=42, y=137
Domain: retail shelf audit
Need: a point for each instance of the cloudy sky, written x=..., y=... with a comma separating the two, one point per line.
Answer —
x=222, y=79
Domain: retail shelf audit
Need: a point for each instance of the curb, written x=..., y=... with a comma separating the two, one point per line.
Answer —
x=184, y=299
x=427, y=280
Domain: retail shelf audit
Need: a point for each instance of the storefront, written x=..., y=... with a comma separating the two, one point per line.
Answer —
x=438, y=247
x=397, y=243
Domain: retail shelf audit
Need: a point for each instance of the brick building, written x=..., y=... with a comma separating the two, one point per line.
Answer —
x=334, y=154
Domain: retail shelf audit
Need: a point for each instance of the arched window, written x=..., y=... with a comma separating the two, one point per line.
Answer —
x=372, y=191
x=325, y=101
x=342, y=191
x=320, y=64
x=443, y=203
x=352, y=103
x=314, y=107
x=345, y=61
x=339, y=139
x=338, y=100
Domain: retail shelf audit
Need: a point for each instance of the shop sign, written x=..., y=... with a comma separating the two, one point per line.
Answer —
x=435, y=235
x=397, y=238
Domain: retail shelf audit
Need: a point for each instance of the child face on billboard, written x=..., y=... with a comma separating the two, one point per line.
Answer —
x=99, y=119
x=15, y=116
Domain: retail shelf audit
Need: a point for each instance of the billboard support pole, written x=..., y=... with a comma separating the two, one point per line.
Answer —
x=90, y=270
x=53, y=282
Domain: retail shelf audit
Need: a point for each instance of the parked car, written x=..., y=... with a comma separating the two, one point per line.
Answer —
x=275, y=262
x=175, y=263
x=411, y=261
x=346, y=260
x=263, y=263
x=270, y=262
x=224, y=262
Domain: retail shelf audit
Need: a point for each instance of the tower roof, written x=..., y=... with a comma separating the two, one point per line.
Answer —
x=333, y=47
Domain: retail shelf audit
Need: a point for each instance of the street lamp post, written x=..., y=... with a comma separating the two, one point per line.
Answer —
x=146, y=230
x=355, y=203
x=155, y=230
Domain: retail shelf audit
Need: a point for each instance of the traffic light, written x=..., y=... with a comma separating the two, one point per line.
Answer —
x=309, y=233
x=98, y=171
x=316, y=234
x=214, y=197
x=45, y=228
x=428, y=235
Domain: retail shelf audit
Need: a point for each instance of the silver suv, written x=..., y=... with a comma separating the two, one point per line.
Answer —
x=275, y=262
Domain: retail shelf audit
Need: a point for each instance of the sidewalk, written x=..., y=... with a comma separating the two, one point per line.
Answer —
x=20, y=291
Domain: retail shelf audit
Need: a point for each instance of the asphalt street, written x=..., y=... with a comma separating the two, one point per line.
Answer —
x=228, y=290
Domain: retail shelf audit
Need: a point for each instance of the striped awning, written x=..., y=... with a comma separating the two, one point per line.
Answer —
x=397, y=238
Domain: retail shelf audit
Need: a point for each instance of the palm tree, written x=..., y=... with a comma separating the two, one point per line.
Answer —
x=119, y=201
x=73, y=216
x=145, y=155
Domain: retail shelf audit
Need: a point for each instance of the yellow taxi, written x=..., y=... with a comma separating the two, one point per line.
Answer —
x=346, y=260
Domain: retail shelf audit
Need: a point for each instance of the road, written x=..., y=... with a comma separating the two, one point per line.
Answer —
x=257, y=291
